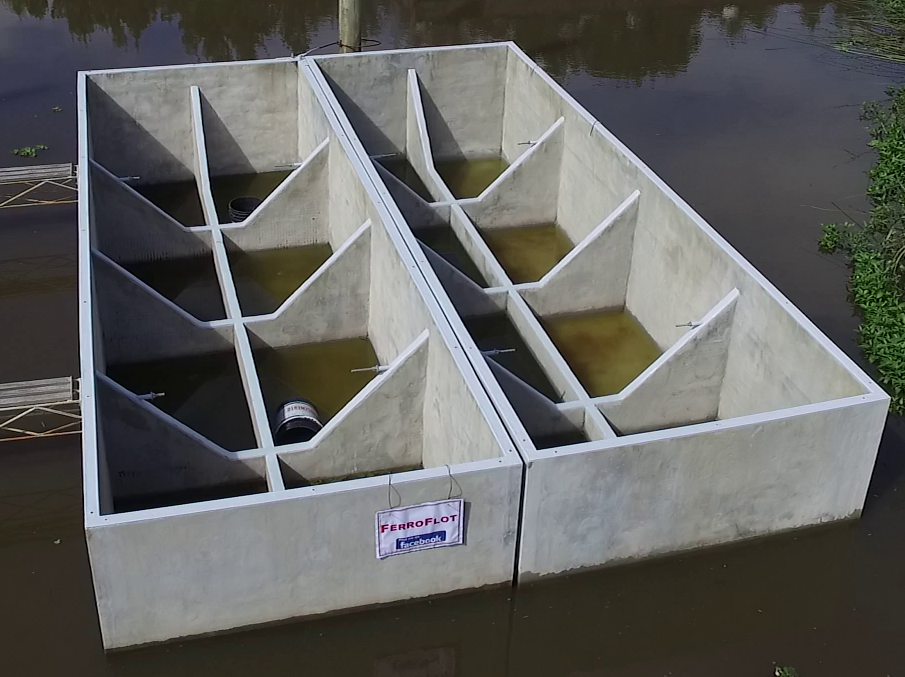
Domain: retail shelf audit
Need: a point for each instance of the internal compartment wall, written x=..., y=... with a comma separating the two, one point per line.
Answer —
x=285, y=560
x=530, y=107
x=679, y=272
x=462, y=89
x=147, y=111
x=699, y=488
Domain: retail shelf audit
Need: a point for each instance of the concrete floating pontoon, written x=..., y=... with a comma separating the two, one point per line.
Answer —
x=744, y=419
x=462, y=270
x=197, y=521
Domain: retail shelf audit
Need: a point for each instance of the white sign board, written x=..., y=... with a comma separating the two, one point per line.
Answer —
x=419, y=527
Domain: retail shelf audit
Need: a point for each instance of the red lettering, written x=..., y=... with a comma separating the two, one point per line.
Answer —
x=383, y=528
x=452, y=518
x=409, y=525
x=419, y=523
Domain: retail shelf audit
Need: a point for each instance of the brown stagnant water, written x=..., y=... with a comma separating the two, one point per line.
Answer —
x=527, y=253
x=204, y=392
x=190, y=282
x=267, y=277
x=321, y=373
x=743, y=109
x=230, y=186
x=469, y=177
x=606, y=350
x=179, y=199
x=400, y=167
x=444, y=242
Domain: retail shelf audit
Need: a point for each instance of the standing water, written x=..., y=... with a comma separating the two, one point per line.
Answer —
x=190, y=282
x=470, y=177
x=179, y=199
x=527, y=253
x=745, y=109
x=606, y=350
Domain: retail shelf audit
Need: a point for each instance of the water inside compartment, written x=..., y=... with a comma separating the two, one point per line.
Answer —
x=230, y=186
x=267, y=277
x=496, y=332
x=179, y=199
x=321, y=373
x=560, y=439
x=607, y=350
x=189, y=282
x=204, y=392
x=470, y=177
x=527, y=253
x=444, y=242
x=400, y=167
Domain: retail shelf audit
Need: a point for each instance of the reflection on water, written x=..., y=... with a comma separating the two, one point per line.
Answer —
x=615, y=38
x=527, y=253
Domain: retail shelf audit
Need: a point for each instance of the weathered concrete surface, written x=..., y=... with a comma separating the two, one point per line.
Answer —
x=594, y=275
x=463, y=97
x=138, y=324
x=526, y=193
x=148, y=453
x=381, y=428
x=265, y=558
x=690, y=488
x=295, y=214
x=332, y=304
x=128, y=228
x=684, y=385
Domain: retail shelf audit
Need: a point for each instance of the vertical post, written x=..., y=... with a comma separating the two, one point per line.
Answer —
x=350, y=25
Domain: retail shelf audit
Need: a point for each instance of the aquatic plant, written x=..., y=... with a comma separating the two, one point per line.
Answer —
x=877, y=249
x=29, y=151
x=785, y=672
x=875, y=30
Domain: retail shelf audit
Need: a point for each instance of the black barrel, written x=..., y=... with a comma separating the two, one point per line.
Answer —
x=240, y=208
x=297, y=421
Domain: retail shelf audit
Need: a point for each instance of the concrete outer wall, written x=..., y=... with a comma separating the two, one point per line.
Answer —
x=695, y=487
x=461, y=89
x=148, y=111
x=308, y=551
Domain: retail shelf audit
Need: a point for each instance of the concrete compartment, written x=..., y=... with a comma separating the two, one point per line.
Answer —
x=749, y=422
x=193, y=527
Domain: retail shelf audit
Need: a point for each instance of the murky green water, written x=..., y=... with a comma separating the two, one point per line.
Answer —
x=527, y=253
x=230, y=186
x=402, y=169
x=443, y=241
x=266, y=278
x=606, y=350
x=745, y=109
x=496, y=332
x=191, y=283
x=321, y=373
x=469, y=178
x=204, y=392
x=179, y=199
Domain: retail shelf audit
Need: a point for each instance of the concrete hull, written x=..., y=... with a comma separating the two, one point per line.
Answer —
x=188, y=534
x=750, y=422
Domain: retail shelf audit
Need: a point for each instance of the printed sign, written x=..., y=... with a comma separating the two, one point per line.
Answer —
x=419, y=527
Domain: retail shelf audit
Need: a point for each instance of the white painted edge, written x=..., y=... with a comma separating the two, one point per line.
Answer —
x=416, y=50
x=471, y=240
x=202, y=171
x=209, y=64
x=88, y=396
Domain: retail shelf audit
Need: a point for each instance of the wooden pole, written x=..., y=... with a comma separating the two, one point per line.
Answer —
x=350, y=25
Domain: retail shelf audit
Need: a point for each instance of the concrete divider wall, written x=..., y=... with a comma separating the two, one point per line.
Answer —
x=462, y=90
x=148, y=111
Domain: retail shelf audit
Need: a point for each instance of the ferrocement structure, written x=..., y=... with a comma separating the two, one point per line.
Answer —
x=749, y=422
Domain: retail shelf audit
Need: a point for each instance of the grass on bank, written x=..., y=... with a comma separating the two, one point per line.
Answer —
x=877, y=248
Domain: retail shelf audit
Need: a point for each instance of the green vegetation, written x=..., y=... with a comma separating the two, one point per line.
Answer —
x=877, y=249
x=785, y=672
x=57, y=109
x=876, y=31
x=29, y=151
